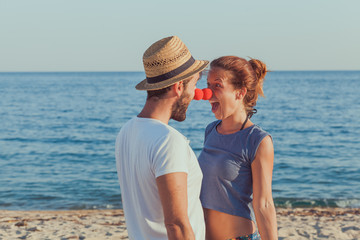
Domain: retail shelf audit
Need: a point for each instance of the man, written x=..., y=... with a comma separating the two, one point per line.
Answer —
x=159, y=175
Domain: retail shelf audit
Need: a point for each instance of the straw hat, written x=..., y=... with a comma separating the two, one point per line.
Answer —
x=166, y=62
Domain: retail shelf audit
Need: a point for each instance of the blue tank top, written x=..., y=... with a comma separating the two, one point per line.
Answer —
x=226, y=165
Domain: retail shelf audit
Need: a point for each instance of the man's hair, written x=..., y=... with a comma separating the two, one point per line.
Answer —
x=160, y=93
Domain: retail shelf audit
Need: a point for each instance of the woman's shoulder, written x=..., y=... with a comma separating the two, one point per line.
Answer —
x=257, y=134
x=256, y=130
x=210, y=127
x=255, y=137
x=213, y=124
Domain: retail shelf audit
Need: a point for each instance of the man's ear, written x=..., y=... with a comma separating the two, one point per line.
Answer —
x=178, y=88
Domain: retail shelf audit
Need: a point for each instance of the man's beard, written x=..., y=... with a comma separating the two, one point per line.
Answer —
x=179, y=108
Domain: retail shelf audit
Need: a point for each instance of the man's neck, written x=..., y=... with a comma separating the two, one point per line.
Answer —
x=159, y=110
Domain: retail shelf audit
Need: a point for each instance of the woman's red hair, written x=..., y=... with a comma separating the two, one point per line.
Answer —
x=249, y=74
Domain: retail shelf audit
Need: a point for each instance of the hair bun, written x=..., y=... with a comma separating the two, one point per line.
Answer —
x=260, y=70
x=259, y=67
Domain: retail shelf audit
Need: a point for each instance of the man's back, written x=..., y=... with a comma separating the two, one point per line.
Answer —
x=146, y=149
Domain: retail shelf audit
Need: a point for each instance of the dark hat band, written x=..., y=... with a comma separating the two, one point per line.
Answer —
x=172, y=73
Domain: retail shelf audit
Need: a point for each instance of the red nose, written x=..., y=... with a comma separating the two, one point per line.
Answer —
x=204, y=94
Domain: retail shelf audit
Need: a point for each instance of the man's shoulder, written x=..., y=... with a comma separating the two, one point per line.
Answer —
x=145, y=124
x=173, y=136
x=151, y=128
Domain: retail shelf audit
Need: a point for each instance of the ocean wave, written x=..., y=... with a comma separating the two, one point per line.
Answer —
x=308, y=203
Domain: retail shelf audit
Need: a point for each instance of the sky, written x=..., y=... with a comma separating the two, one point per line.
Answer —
x=112, y=35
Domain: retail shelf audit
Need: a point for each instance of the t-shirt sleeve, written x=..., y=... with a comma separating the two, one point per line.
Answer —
x=256, y=137
x=171, y=155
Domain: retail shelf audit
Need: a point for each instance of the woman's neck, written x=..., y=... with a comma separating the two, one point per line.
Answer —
x=234, y=123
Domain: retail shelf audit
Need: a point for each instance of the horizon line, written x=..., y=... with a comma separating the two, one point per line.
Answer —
x=136, y=71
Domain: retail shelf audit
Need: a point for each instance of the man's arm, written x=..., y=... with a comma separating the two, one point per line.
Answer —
x=173, y=194
x=262, y=168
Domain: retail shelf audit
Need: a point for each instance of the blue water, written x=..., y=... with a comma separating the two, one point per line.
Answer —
x=57, y=135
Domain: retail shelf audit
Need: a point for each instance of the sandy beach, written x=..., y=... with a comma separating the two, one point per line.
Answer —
x=309, y=223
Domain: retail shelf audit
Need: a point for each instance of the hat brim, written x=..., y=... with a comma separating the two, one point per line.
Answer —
x=198, y=66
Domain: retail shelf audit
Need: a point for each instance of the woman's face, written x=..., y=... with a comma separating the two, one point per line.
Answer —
x=224, y=102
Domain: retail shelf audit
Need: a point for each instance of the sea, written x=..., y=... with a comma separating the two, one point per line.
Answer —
x=58, y=130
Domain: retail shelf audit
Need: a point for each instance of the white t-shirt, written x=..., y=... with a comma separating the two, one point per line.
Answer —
x=146, y=149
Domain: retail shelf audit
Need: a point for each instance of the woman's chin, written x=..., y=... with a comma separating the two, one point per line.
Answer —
x=218, y=116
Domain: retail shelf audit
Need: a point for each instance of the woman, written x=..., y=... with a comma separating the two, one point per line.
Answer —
x=237, y=159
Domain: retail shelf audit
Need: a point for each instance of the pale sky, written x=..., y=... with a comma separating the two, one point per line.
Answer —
x=111, y=35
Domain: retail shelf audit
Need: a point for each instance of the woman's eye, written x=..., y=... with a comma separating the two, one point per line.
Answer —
x=214, y=85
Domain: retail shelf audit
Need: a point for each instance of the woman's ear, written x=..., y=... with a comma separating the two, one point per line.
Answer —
x=240, y=93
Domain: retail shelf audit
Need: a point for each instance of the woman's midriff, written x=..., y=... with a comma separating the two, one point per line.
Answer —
x=221, y=225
